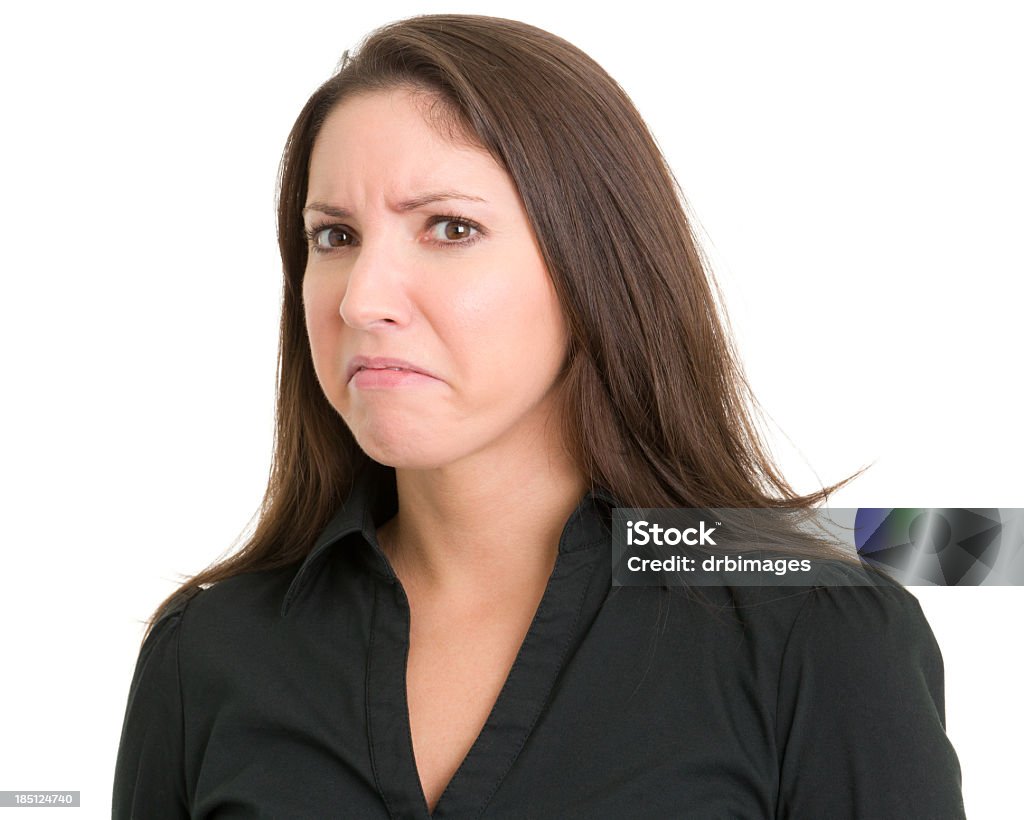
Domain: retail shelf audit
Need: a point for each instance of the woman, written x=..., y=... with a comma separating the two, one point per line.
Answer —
x=497, y=327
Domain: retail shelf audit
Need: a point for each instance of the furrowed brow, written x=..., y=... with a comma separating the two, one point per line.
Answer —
x=406, y=205
x=435, y=196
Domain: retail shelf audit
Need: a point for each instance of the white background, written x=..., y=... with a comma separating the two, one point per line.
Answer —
x=856, y=174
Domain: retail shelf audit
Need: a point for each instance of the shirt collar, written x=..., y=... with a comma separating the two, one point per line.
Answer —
x=373, y=500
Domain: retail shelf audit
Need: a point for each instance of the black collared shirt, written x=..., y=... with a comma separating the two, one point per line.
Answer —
x=281, y=694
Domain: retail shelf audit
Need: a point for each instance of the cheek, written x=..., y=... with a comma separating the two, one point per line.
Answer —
x=321, y=318
x=506, y=319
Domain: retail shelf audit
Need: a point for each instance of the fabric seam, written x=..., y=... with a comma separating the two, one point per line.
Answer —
x=547, y=694
x=778, y=684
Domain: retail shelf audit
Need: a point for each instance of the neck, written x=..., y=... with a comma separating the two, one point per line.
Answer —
x=475, y=533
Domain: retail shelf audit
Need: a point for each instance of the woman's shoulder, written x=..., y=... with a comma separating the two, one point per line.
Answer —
x=852, y=678
x=209, y=638
x=255, y=594
x=840, y=593
x=204, y=628
x=861, y=680
x=859, y=612
x=844, y=596
x=859, y=641
x=865, y=632
x=796, y=638
x=217, y=616
x=203, y=643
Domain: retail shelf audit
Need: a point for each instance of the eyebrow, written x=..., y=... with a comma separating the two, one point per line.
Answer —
x=402, y=207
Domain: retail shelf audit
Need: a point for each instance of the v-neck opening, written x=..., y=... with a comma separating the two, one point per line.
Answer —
x=520, y=702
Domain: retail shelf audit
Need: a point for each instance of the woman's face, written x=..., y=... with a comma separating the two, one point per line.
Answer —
x=391, y=275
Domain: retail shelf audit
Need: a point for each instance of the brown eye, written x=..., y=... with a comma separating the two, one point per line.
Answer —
x=332, y=237
x=456, y=230
x=453, y=231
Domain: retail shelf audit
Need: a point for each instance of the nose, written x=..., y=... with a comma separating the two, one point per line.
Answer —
x=375, y=294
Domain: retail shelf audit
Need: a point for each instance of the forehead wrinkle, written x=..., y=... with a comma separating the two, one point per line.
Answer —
x=410, y=204
x=351, y=147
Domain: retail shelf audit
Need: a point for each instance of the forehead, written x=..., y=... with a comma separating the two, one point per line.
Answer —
x=396, y=139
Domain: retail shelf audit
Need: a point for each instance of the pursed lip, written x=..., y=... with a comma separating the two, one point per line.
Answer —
x=357, y=363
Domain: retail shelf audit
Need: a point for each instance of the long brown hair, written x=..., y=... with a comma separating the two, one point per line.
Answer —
x=657, y=408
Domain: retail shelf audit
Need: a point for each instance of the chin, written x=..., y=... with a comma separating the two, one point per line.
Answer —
x=411, y=451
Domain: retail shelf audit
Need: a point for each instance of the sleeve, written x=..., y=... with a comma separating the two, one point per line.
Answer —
x=860, y=723
x=149, y=778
